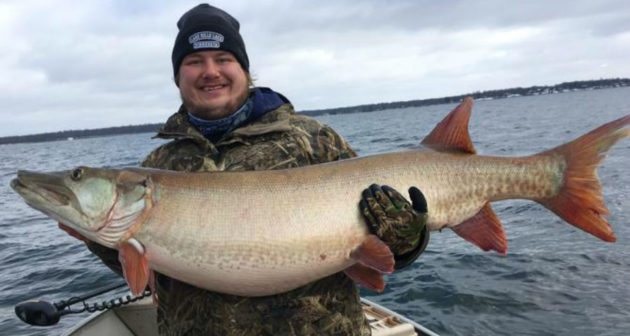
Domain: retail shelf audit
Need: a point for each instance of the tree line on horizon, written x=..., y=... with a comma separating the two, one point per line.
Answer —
x=491, y=94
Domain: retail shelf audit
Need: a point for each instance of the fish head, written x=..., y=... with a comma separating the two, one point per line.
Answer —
x=100, y=204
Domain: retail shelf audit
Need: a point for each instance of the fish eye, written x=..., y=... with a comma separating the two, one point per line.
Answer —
x=76, y=174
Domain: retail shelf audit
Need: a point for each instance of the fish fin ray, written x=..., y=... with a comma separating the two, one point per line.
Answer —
x=135, y=265
x=374, y=253
x=484, y=230
x=366, y=277
x=451, y=134
x=579, y=200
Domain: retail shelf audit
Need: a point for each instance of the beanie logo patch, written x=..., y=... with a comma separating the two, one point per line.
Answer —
x=206, y=39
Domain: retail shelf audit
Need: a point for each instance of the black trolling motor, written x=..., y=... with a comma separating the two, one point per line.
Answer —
x=44, y=313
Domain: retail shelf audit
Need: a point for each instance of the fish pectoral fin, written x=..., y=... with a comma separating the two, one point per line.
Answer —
x=366, y=277
x=484, y=230
x=375, y=254
x=135, y=265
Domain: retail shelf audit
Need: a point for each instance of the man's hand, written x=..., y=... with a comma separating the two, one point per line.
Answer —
x=398, y=223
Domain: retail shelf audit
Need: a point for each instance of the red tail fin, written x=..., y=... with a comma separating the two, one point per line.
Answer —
x=580, y=201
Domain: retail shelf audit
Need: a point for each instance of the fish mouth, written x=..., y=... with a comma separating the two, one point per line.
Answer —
x=39, y=189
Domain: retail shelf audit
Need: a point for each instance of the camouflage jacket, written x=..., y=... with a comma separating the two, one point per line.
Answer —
x=279, y=139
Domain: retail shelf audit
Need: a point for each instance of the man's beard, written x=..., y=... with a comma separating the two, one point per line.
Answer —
x=198, y=110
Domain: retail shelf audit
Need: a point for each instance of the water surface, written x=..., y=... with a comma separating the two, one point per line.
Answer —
x=555, y=279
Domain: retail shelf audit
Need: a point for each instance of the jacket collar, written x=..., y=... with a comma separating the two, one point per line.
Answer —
x=179, y=127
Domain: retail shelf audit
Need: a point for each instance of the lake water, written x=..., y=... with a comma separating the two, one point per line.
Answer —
x=555, y=279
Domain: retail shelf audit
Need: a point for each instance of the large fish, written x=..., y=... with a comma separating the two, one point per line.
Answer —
x=265, y=232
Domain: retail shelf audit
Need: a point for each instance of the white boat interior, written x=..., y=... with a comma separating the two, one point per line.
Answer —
x=138, y=319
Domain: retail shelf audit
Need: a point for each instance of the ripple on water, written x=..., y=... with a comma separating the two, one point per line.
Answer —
x=555, y=279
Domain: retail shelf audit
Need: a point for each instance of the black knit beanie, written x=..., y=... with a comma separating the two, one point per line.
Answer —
x=208, y=28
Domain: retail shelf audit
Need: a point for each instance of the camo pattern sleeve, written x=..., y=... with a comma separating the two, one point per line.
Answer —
x=187, y=154
x=280, y=140
x=188, y=149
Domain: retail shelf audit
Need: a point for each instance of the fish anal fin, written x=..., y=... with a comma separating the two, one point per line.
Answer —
x=375, y=254
x=366, y=277
x=451, y=134
x=484, y=230
x=135, y=265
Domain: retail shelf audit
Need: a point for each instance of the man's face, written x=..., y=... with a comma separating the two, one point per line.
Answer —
x=212, y=84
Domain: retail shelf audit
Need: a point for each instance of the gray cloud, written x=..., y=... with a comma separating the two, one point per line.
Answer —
x=69, y=64
x=416, y=15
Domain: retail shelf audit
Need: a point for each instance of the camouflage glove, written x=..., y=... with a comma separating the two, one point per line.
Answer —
x=398, y=223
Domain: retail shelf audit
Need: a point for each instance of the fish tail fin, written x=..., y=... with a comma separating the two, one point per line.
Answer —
x=580, y=201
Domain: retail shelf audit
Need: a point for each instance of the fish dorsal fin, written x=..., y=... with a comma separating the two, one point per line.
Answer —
x=366, y=277
x=484, y=230
x=375, y=254
x=451, y=134
x=135, y=265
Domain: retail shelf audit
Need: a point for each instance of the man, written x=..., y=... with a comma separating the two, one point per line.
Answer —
x=226, y=124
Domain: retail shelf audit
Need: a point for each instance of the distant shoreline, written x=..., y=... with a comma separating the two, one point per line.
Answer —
x=486, y=95
x=483, y=95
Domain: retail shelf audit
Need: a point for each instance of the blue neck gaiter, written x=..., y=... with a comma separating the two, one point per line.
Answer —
x=261, y=100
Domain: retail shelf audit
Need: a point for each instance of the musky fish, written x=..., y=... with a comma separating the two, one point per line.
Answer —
x=265, y=232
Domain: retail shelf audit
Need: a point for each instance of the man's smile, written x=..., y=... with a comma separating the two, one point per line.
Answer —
x=214, y=87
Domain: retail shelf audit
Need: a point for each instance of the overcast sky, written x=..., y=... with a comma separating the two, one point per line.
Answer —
x=68, y=64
